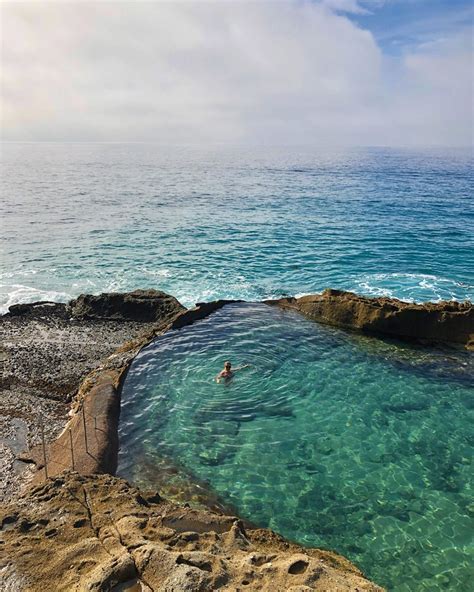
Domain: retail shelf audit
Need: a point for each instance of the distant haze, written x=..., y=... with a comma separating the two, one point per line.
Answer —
x=209, y=72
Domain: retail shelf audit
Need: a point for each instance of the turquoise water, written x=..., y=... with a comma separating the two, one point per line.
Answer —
x=205, y=223
x=331, y=438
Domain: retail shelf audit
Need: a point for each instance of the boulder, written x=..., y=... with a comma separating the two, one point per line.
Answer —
x=40, y=309
x=139, y=305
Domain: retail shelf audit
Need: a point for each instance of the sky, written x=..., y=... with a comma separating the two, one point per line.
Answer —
x=343, y=72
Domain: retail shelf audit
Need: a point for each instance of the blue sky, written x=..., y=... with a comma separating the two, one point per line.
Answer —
x=398, y=25
x=352, y=72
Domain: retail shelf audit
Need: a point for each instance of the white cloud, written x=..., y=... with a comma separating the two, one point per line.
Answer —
x=432, y=102
x=282, y=72
x=345, y=6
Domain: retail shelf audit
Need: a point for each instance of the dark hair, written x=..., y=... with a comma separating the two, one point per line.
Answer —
x=227, y=364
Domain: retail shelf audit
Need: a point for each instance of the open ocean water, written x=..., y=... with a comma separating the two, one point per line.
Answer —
x=234, y=223
x=344, y=441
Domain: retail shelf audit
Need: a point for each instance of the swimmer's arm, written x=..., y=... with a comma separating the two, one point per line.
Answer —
x=242, y=367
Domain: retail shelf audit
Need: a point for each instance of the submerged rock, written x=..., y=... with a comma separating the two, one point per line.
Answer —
x=434, y=322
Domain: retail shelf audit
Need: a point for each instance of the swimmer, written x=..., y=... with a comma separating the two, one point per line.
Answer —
x=227, y=373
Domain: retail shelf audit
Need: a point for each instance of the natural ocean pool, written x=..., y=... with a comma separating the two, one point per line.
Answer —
x=332, y=439
x=253, y=223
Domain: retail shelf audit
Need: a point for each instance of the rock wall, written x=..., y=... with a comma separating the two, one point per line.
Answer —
x=434, y=322
x=89, y=443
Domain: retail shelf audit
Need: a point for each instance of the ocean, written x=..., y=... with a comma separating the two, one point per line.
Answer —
x=236, y=223
x=333, y=439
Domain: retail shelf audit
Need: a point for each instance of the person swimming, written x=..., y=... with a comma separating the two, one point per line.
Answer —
x=227, y=373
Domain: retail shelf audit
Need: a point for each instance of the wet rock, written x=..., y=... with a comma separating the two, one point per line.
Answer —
x=140, y=305
x=433, y=322
x=38, y=309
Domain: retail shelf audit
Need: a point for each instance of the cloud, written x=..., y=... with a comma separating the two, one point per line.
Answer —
x=432, y=93
x=352, y=6
x=256, y=72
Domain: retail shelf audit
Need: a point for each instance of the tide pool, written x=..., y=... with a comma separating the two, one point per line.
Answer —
x=330, y=438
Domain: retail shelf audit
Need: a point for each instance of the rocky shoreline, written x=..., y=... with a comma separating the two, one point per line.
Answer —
x=67, y=361
x=47, y=350
x=97, y=533
x=440, y=322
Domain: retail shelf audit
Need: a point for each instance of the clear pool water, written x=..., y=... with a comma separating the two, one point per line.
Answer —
x=332, y=439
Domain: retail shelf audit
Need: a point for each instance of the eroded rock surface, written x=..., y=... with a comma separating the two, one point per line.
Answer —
x=78, y=533
x=435, y=322
x=139, y=305
x=46, y=353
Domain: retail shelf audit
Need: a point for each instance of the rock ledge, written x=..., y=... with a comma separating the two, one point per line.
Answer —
x=139, y=305
x=434, y=322
x=76, y=534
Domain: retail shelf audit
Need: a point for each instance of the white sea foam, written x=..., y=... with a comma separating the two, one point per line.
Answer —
x=159, y=273
x=20, y=294
x=412, y=287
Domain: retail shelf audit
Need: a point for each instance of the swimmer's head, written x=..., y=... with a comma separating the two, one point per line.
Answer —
x=227, y=365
